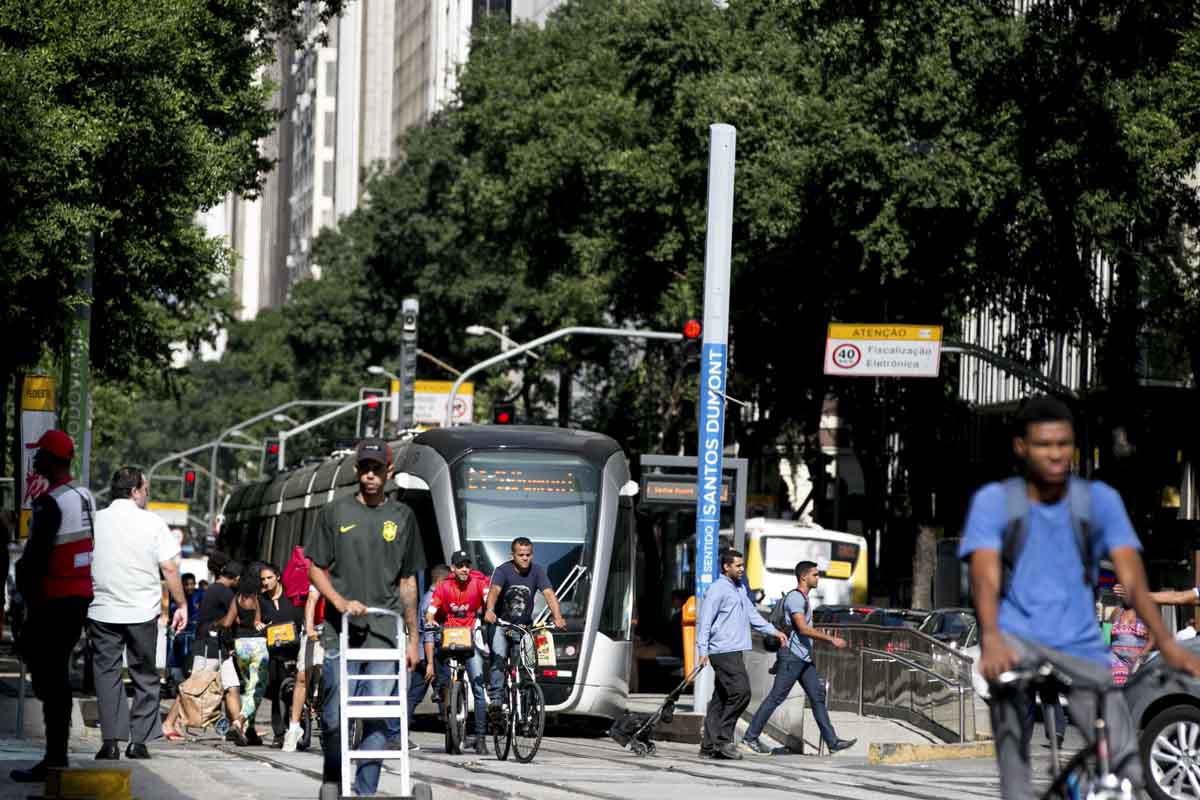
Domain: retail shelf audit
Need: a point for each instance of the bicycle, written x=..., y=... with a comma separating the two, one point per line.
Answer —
x=287, y=688
x=458, y=644
x=1088, y=774
x=520, y=727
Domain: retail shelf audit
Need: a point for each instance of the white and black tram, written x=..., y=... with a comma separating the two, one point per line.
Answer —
x=477, y=488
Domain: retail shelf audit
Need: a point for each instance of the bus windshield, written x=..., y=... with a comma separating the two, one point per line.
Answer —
x=834, y=559
x=549, y=498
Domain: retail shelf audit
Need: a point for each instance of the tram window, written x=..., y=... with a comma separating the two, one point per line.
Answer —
x=550, y=498
x=617, y=611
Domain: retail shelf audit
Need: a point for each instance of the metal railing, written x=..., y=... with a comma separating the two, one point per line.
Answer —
x=895, y=673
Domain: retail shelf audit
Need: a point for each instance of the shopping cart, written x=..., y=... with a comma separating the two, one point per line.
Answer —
x=363, y=707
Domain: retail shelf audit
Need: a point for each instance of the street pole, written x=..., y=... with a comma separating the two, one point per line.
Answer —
x=713, y=366
x=541, y=340
x=76, y=375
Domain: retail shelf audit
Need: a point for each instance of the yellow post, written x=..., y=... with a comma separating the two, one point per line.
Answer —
x=688, y=618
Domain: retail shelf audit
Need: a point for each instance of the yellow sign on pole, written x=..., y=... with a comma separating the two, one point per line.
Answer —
x=430, y=398
x=883, y=350
x=38, y=415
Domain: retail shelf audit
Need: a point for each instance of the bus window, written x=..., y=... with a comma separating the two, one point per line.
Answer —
x=834, y=559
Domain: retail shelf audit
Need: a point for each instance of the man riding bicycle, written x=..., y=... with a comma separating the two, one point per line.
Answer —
x=515, y=583
x=1034, y=544
x=456, y=603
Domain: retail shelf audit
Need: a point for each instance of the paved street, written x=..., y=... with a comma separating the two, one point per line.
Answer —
x=566, y=767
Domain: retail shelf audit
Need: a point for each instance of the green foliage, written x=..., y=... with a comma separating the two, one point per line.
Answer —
x=122, y=118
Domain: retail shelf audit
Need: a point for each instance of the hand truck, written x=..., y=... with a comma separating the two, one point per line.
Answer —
x=364, y=707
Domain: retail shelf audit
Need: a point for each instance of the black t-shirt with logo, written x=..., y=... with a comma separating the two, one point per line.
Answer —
x=518, y=592
x=367, y=551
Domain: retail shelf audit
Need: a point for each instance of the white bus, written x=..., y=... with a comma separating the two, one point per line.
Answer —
x=775, y=546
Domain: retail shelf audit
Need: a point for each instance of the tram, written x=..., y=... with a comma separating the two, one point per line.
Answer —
x=477, y=488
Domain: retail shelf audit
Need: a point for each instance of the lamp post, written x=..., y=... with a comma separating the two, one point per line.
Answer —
x=619, y=333
x=312, y=423
x=505, y=340
x=284, y=418
x=230, y=431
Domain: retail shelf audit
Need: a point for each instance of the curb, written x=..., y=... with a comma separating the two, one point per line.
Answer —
x=884, y=753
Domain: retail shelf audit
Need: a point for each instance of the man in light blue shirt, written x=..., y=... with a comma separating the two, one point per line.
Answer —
x=796, y=666
x=722, y=634
x=1045, y=611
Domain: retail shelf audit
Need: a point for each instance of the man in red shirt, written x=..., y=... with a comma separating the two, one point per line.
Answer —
x=456, y=603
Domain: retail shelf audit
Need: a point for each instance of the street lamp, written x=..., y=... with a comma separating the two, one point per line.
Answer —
x=505, y=341
x=285, y=418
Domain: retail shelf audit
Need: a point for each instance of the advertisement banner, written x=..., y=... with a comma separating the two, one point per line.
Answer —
x=37, y=416
x=76, y=389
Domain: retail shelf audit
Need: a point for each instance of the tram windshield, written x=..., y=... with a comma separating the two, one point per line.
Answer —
x=552, y=499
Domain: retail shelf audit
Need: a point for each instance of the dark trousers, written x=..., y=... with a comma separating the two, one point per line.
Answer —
x=281, y=708
x=109, y=641
x=793, y=670
x=730, y=697
x=46, y=645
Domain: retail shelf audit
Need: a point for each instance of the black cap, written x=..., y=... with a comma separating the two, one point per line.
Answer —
x=459, y=557
x=373, y=450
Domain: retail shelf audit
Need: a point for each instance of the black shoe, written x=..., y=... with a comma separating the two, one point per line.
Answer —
x=706, y=753
x=481, y=745
x=252, y=738
x=111, y=751
x=277, y=743
x=236, y=736
x=727, y=752
x=841, y=744
x=35, y=774
x=137, y=750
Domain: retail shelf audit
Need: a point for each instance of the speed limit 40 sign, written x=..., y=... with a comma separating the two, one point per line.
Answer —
x=900, y=351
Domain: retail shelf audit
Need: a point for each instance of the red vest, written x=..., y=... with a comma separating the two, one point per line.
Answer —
x=69, y=573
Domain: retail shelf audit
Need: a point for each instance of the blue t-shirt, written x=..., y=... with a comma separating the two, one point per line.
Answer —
x=1048, y=601
x=799, y=645
x=518, y=592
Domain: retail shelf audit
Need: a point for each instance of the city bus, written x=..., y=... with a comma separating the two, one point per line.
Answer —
x=477, y=488
x=774, y=546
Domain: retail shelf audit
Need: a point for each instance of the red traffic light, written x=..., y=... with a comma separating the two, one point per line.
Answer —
x=273, y=448
x=190, y=476
x=372, y=401
x=692, y=329
x=503, y=418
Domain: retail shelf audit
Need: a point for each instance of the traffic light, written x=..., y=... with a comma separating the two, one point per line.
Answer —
x=189, y=484
x=692, y=330
x=270, y=456
x=504, y=413
x=372, y=413
x=689, y=349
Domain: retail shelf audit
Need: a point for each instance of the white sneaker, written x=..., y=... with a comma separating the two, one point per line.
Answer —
x=292, y=738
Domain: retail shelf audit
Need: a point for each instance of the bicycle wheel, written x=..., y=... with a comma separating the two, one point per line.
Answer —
x=500, y=723
x=1076, y=777
x=456, y=718
x=528, y=726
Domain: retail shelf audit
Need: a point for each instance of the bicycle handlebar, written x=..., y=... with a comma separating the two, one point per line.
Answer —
x=1044, y=674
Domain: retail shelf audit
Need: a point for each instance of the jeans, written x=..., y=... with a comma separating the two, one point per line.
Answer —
x=1012, y=722
x=793, y=670
x=499, y=663
x=731, y=695
x=375, y=731
x=475, y=675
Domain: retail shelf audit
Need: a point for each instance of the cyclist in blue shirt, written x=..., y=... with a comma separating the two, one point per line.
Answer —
x=1048, y=611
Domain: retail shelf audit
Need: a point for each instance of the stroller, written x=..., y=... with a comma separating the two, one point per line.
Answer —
x=634, y=730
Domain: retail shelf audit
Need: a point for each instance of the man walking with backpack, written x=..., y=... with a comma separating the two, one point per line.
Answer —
x=722, y=635
x=796, y=664
x=1033, y=544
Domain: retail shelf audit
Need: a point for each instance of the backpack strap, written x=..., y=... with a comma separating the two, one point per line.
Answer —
x=1016, y=529
x=1079, y=499
x=1016, y=501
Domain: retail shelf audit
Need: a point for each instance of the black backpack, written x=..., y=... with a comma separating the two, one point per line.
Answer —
x=1016, y=531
